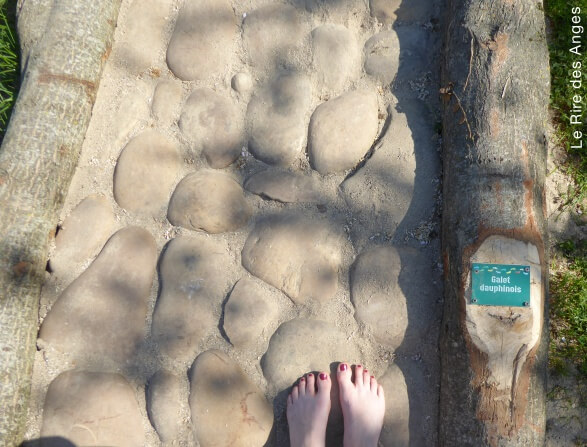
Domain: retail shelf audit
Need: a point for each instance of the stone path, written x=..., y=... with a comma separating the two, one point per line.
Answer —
x=257, y=197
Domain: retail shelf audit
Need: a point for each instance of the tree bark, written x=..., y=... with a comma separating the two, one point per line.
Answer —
x=495, y=87
x=37, y=160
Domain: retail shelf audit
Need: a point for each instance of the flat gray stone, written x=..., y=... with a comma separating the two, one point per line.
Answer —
x=336, y=56
x=382, y=53
x=301, y=345
x=379, y=301
x=248, y=311
x=277, y=119
x=101, y=316
x=209, y=200
x=342, y=131
x=297, y=255
x=203, y=40
x=396, y=424
x=193, y=285
x=214, y=126
x=166, y=99
x=228, y=410
x=82, y=234
x=164, y=407
x=273, y=34
x=92, y=408
x=144, y=34
x=145, y=173
x=284, y=186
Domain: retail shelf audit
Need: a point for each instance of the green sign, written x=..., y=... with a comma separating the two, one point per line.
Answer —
x=500, y=284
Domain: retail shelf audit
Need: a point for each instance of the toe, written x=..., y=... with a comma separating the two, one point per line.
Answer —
x=374, y=385
x=294, y=393
x=310, y=384
x=343, y=375
x=324, y=383
x=380, y=391
x=359, y=375
x=302, y=386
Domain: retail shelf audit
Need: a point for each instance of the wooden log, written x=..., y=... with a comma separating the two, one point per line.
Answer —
x=37, y=160
x=495, y=88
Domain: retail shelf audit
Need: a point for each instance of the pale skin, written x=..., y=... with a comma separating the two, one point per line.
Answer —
x=361, y=399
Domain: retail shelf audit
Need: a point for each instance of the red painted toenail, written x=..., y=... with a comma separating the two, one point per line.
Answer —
x=343, y=366
x=366, y=370
x=310, y=374
x=302, y=379
x=372, y=377
x=322, y=376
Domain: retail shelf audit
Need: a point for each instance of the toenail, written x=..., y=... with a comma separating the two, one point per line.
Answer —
x=310, y=374
x=372, y=377
x=322, y=376
x=302, y=379
x=366, y=371
x=359, y=366
x=343, y=366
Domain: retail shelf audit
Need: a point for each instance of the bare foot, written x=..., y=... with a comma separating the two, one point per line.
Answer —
x=308, y=406
x=363, y=406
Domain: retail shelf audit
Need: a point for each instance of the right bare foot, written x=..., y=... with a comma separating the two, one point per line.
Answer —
x=363, y=406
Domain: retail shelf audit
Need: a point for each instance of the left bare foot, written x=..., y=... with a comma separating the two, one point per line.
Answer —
x=308, y=406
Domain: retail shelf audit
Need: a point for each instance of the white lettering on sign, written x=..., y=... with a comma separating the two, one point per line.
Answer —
x=501, y=279
x=500, y=288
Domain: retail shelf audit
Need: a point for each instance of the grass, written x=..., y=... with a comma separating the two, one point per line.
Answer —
x=9, y=62
x=568, y=281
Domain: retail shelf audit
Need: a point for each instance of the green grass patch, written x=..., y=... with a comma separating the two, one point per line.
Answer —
x=9, y=62
x=564, y=64
x=568, y=307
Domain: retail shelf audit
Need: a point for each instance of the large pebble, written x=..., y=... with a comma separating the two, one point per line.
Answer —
x=242, y=83
x=101, y=315
x=284, y=186
x=82, y=234
x=387, y=11
x=166, y=99
x=377, y=296
x=144, y=34
x=342, y=131
x=164, y=407
x=248, y=311
x=228, y=410
x=203, y=40
x=382, y=56
x=145, y=173
x=335, y=55
x=92, y=408
x=211, y=201
x=299, y=346
x=193, y=285
x=297, y=255
x=272, y=34
x=277, y=119
x=396, y=424
x=214, y=126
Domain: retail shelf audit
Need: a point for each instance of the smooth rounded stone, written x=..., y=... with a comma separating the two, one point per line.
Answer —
x=379, y=301
x=342, y=131
x=301, y=345
x=92, y=408
x=166, y=99
x=284, y=186
x=335, y=55
x=214, y=126
x=396, y=424
x=382, y=190
x=228, y=410
x=193, y=285
x=273, y=34
x=101, y=316
x=164, y=408
x=297, y=255
x=211, y=201
x=242, y=83
x=247, y=313
x=144, y=33
x=382, y=56
x=145, y=173
x=83, y=233
x=387, y=11
x=277, y=121
x=203, y=40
